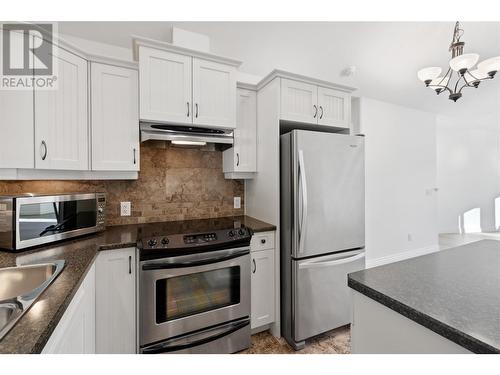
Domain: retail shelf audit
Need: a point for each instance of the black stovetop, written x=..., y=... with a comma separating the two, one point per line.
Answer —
x=191, y=236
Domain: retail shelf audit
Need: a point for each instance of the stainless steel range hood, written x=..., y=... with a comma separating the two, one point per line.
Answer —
x=185, y=134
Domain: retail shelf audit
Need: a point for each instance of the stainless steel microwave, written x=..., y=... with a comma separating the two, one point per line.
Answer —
x=31, y=220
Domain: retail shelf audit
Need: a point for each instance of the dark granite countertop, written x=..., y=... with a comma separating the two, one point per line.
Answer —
x=454, y=292
x=32, y=331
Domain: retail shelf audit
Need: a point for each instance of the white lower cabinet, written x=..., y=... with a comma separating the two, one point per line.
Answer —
x=116, y=302
x=263, y=296
x=75, y=333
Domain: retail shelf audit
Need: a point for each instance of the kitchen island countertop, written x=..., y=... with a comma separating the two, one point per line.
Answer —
x=454, y=293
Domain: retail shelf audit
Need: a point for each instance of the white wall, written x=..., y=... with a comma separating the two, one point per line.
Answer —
x=468, y=160
x=401, y=208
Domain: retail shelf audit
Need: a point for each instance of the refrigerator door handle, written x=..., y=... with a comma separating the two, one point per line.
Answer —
x=303, y=185
x=316, y=264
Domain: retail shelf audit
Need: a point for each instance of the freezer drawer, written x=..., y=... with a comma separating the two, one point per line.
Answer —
x=321, y=298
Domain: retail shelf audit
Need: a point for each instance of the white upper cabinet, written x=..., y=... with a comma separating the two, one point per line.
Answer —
x=242, y=157
x=299, y=101
x=214, y=94
x=61, y=117
x=334, y=107
x=16, y=129
x=165, y=86
x=115, y=118
x=178, y=85
x=312, y=104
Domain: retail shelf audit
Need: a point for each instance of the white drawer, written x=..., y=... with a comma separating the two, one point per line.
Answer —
x=262, y=241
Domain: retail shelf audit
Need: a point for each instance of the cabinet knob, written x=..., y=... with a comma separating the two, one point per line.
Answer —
x=237, y=159
x=254, y=266
x=321, y=115
x=263, y=241
x=315, y=111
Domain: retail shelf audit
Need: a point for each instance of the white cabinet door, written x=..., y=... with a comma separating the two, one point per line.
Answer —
x=165, y=86
x=334, y=107
x=16, y=119
x=116, y=302
x=75, y=333
x=16, y=129
x=299, y=101
x=262, y=302
x=214, y=94
x=115, y=118
x=61, y=117
x=242, y=157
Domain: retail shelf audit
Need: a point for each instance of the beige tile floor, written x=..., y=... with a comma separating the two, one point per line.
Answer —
x=337, y=341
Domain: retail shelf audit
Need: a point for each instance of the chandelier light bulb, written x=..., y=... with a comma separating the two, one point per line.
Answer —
x=490, y=66
x=428, y=74
x=463, y=62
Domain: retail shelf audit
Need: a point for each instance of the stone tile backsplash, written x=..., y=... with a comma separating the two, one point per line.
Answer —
x=174, y=184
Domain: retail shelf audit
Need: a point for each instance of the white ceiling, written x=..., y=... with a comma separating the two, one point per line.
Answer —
x=387, y=54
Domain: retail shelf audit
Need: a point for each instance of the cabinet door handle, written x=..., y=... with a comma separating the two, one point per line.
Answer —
x=130, y=264
x=43, y=154
x=237, y=159
x=134, y=157
x=196, y=114
x=254, y=266
x=315, y=111
x=263, y=241
x=188, y=109
x=321, y=115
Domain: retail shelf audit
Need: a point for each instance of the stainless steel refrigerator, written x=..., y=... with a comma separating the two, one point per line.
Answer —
x=322, y=230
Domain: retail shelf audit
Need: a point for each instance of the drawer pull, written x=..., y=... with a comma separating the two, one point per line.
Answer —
x=263, y=241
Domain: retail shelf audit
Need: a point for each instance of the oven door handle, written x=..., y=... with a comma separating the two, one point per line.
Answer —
x=196, y=263
x=171, y=346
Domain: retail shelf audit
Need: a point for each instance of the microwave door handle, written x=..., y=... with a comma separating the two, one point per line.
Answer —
x=303, y=185
x=331, y=263
x=170, y=346
x=195, y=263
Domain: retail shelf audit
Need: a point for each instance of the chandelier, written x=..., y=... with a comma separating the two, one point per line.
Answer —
x=462, y=65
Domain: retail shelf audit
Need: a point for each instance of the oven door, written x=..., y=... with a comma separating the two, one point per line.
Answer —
x=179, y=295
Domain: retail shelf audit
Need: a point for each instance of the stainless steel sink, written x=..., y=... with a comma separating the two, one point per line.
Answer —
x=20, y=287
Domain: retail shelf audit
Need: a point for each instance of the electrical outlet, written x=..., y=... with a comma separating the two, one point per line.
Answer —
x=237, y=202
x=125, y=208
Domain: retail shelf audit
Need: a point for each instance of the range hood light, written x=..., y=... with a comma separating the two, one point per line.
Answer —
x=189, y=143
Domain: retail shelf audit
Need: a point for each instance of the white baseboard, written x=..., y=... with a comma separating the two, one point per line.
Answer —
x=401, y=256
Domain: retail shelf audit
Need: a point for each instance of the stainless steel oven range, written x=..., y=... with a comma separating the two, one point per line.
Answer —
x=194, y=292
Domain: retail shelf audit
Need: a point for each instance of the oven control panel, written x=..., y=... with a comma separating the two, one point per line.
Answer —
x=200, y=238
x=184, y=241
